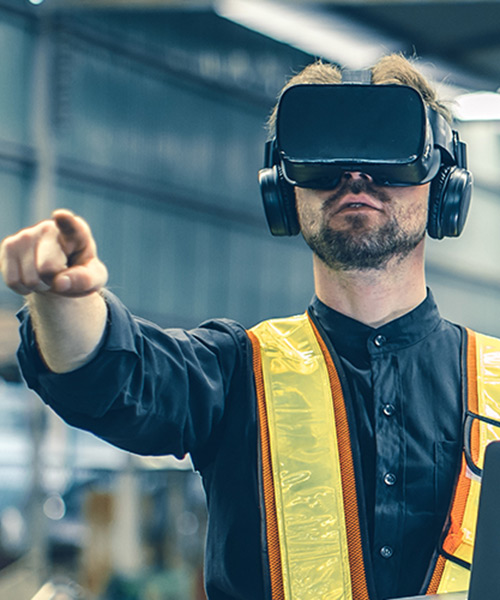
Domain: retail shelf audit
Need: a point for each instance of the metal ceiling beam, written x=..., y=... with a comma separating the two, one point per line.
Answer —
x=203, y=4
x=128, y=4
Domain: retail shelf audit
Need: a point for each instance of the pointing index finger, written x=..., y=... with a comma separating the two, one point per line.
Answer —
x=66, y=222
x=75, y=234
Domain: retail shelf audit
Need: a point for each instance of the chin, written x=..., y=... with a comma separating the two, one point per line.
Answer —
x=354, y=223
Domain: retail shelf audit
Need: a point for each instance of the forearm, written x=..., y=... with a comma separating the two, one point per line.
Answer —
x=68, y=330
x=149, y=390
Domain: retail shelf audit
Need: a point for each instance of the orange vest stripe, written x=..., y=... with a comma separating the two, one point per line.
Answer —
x=462, y=489
x=454, y=536
x=472, y=394
x=272, y=534
x=436, y=576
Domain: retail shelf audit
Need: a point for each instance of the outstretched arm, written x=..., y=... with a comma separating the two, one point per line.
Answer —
x=55, y=265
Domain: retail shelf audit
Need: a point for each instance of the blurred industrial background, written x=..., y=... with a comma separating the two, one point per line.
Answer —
x=147, y=118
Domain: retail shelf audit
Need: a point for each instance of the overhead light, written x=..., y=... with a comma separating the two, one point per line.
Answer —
x=477, y=106
x=319, y=33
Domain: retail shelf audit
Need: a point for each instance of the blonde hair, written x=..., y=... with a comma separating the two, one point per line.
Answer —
x=393, y=68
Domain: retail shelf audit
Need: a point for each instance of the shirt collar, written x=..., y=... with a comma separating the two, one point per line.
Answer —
x=353, y=339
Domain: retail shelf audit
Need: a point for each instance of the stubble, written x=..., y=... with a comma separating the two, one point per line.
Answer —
x=359, y=245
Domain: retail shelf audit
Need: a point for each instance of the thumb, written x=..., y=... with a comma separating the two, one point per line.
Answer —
x=81, y=280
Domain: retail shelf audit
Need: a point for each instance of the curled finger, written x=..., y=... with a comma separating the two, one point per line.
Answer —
x=28, y=273
x=11, y=275
x=13, y=264
x=50, y=257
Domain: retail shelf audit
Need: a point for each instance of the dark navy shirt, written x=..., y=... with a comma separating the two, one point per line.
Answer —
x=154, y=391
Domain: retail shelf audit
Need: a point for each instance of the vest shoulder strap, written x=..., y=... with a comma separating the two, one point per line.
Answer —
x=311, y=503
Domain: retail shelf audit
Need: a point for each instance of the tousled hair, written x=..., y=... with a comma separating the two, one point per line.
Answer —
x=393, y=68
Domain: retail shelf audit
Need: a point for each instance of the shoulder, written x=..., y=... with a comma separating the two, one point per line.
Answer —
x=124, y=326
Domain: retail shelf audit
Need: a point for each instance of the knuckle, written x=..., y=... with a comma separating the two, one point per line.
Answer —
x=29, y=235
x=10, y=279
x=8, y=245
x=31, y=281
x=47, y=228
x=20, y=241
x=24, y=239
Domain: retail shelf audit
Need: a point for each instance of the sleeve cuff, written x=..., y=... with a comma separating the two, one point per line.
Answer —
x=118, y=346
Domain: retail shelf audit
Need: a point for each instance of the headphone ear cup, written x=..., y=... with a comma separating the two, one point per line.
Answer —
x=449, y=201
x=434, y=228
x=278, y=197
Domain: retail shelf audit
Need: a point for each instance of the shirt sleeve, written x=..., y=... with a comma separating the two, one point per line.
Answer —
x=148, y=390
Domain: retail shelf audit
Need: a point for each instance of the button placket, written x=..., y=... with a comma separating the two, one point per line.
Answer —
x=388, y=490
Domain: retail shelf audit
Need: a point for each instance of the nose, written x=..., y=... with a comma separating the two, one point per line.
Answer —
x=357, y=175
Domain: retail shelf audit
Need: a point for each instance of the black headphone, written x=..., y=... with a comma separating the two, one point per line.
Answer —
x=278, y=197
x=449, y=196
x=449, y=201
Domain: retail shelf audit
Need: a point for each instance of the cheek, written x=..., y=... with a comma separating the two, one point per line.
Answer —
x=422, y=200
x=307, y=211
x=413, y=208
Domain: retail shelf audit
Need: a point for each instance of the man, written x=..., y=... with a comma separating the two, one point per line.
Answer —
x=306, y=498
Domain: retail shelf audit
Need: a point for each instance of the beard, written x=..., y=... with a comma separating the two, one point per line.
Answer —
x=359, y=247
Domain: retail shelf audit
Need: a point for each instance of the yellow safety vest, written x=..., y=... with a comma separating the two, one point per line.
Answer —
x=314, y=539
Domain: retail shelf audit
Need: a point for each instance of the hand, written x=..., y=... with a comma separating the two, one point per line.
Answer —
x=57, y=256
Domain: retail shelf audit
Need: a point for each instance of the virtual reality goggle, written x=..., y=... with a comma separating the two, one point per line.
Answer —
x=382, y=130
x=385, y=131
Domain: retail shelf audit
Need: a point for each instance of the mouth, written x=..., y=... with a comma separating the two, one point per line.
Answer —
x=358, y=202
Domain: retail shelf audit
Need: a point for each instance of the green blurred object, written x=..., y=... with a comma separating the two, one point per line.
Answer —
x=175, y=584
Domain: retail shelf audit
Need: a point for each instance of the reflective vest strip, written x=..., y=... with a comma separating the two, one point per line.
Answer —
x=455, y=578
x=272, y=534
x=300, y=339
x=305, y=462
x=356, y=560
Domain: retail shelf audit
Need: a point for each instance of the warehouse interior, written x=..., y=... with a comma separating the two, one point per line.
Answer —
x=147, y=117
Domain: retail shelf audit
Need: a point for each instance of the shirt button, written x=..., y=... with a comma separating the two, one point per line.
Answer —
x=390, y=479
x=386, y=552
x=389, y=410
x=379, y=340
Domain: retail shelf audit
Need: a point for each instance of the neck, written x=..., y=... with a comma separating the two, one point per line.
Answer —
x=374, y=296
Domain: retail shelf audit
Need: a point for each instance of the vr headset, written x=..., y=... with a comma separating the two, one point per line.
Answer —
x=385, y=131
